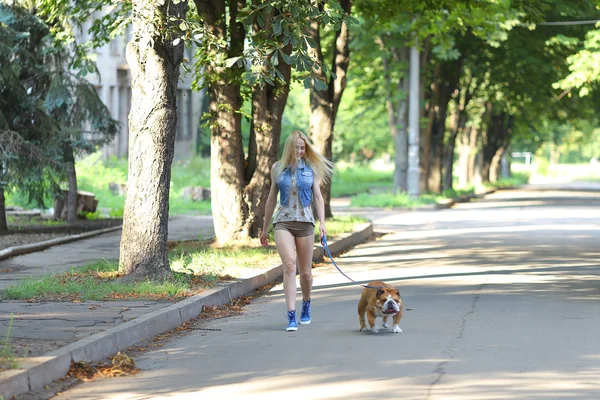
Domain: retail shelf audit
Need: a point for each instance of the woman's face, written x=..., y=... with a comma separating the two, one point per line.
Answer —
x=300, y=148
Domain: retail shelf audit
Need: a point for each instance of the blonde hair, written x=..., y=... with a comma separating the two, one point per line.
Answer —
x=321, y=166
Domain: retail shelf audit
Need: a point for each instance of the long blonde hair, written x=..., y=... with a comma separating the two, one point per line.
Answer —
x=321, y=166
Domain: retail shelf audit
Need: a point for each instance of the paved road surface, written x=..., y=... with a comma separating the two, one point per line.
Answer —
x=502, y=298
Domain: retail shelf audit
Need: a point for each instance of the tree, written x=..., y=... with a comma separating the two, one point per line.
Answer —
x=45, y=104
x=327, y=88
x=248, y=52
x=515, y=90
x=154, y=56
x=227, y=56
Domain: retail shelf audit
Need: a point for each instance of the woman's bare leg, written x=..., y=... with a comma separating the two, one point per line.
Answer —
x=286, y=248
x=304, y=249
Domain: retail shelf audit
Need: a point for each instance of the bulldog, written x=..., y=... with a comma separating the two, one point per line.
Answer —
x=384, y=302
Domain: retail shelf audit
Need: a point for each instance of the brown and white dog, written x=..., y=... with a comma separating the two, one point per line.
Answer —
x=384, y=302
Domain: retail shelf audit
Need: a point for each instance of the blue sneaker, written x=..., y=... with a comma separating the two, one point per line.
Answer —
x=305, y=316
x=292, y=324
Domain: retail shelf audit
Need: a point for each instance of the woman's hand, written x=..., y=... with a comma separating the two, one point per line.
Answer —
x=263, y=239
x=322, y=230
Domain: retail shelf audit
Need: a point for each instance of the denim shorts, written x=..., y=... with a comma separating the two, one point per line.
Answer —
x=296, y=228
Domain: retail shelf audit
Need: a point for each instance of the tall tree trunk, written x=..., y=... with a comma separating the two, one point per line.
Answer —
x=495, y=164
x=324, y=104
x=426, y=134
x=268, y=104
x=457, y=126
x=229, y=208
x=464, y=151
x=397, y=107
x=227, y=164
x=474, y=136
x=154, y=64
x=496, y=138
x=449, y=78
x=69, y=160
x=72, y=196
x=3, y=223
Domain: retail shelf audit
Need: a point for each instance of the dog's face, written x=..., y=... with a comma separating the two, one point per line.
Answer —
x=388, y=300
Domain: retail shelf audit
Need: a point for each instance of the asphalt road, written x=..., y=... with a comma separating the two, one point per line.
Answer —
x=502, y=301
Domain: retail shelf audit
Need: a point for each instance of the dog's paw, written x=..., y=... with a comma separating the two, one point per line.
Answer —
x=385, y=325
x=397, y=329
x=375, y=329
x=364, y=329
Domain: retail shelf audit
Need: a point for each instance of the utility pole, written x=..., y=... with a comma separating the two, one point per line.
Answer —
x=413, y=123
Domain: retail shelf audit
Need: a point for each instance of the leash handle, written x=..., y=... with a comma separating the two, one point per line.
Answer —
x=328, y=252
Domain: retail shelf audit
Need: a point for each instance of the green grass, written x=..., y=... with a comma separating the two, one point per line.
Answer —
x=94, y=175
x=350, y=180
x=195, y=265
x=391, y=200
x=338, y=226
x=24, y=222
x=516, y=179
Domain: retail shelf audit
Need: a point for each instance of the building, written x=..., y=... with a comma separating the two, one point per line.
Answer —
x=114, y=89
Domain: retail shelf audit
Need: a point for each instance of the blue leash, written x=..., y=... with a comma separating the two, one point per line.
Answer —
x=328, y=252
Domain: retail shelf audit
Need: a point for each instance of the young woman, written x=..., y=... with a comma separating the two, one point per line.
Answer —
x=296, y=176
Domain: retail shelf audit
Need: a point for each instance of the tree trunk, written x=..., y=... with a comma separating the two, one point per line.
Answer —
x=268, y=104
x=472, y=154
x=449, y=78
x=72, y=196
x=229, y=201
x=495, y=164
x=69, y=160
x=464, y=152
x=324, y=104
x=397, y=113
x=457, y=126
x=154, y=66
x=3, y=223
x=227, y=164
x=426, y=134
x=495, y=138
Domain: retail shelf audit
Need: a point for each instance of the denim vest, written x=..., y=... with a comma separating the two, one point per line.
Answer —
x=304, y=180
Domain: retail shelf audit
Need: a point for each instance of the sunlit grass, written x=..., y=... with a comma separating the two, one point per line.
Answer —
x=391, y=200
x=353, y=179
x=338, y=226
x=195, y=265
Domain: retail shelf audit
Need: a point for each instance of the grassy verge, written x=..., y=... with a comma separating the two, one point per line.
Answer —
x=196, y=266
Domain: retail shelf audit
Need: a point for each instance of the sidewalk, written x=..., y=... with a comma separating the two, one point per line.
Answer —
x=56, y=334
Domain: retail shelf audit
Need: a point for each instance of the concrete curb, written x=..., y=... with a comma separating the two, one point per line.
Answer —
x=39, y=371
x=30, y=248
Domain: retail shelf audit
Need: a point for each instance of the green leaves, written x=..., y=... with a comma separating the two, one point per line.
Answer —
x=231, y=61
x=276, y=31
x=319, y=84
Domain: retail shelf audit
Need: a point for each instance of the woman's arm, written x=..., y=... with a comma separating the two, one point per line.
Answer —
x=319, y=207
x=269, y=207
